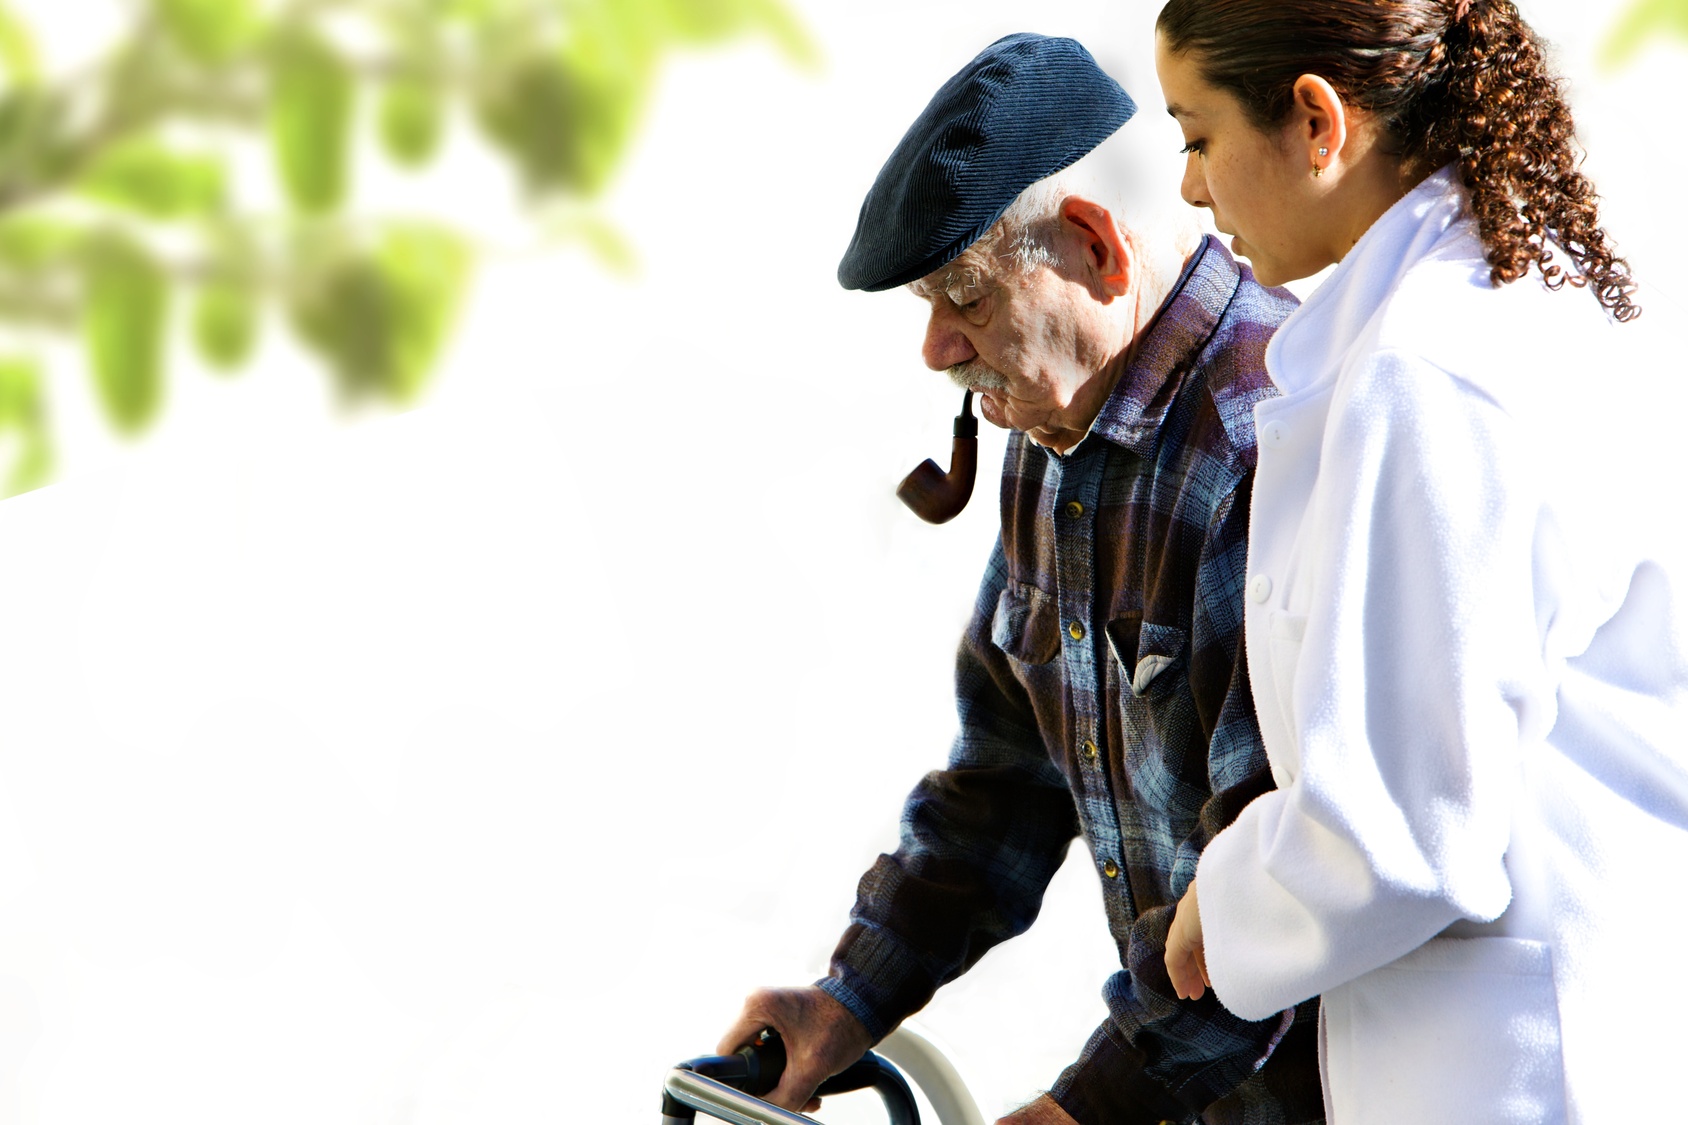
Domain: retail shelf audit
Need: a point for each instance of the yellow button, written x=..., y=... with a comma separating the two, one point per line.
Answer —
x=1075, y=509
x=1111, y=869
x=1090, y=750
x=1075, y=631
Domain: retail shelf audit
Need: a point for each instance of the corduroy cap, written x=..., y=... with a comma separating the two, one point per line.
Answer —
x=1025, y=108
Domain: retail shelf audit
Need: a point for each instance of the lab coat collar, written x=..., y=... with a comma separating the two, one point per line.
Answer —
x=1301, y=355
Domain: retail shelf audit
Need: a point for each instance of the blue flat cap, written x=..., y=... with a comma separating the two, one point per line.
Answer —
x=1027, y=107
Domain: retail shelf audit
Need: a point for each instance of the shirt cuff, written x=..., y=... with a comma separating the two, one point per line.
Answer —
x=878, y=978
x=855, y=1005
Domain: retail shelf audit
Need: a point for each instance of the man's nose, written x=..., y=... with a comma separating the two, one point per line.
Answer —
x=945, y=345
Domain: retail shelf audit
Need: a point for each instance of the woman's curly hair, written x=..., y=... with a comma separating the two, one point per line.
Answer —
x=1453, y=81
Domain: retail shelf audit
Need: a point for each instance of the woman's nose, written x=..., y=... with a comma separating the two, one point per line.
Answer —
x=1194, y=185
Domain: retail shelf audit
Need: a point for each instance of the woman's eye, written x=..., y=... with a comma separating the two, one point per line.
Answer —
x=1193, y=146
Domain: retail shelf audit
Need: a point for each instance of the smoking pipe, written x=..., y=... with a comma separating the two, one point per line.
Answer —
x=934, y=495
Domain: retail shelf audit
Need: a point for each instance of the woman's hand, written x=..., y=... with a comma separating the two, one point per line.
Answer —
x=1186, y=961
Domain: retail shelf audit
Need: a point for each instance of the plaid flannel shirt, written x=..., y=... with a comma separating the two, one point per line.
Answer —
x=1102, y=689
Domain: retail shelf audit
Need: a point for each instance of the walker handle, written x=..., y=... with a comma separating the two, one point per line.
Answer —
x=730, y=1086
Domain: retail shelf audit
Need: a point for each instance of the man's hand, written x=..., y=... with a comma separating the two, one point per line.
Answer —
x=1186, y=959
x=821, y=1039
x=1044, y=1111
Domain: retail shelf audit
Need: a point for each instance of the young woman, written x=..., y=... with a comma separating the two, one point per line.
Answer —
x=1468, y=659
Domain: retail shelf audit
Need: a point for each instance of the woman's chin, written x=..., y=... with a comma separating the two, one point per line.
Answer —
x=1269, y=272
x=1264, y=272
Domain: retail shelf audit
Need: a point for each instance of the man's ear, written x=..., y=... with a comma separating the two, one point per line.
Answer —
x=1105, y=252
x=1321, y=119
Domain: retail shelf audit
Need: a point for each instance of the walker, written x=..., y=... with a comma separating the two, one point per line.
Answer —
x=728, y=1087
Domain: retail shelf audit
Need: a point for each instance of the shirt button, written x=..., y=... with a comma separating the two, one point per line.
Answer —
x=1074, y=509
x=1090, y=751
x=1075, y=631
x=1260, y=588
x=1111, y=869
x=1277, y=433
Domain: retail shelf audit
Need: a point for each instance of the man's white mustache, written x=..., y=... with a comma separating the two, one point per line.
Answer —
x=978, y=375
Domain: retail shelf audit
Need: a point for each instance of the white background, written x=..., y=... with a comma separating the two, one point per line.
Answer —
x=470, y=765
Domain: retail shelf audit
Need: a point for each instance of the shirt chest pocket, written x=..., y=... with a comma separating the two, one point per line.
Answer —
x=1025, y=625
x=1149, y=656
x=1026, y=628
x=1158, y=729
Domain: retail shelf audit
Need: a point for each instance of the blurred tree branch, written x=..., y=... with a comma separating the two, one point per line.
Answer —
x=117, y=203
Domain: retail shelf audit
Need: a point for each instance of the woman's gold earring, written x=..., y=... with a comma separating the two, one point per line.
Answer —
x=1317, y=169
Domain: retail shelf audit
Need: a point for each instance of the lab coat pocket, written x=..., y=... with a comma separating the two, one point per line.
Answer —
x=1460, y=1029
x=1274, y=694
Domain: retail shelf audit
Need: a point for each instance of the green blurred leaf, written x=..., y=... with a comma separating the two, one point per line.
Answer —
x=213, y=31
x=426, y=269
x=146, y=177
x=20, y=391
x=412, y=120
x=225, y=324
x=523, y=106
x=603, y=240
x=31, y=244
x=786, y=31
x=125, y=308
x=606, y=110
x=700, y=22
x=563, y=116
x=17, y=47
x=34, y=140
x=345, y=314
x=1643, y=21
x=621, y=35
x=706, y=21
x=379, y=318
x=23, y=411
x=311, y=105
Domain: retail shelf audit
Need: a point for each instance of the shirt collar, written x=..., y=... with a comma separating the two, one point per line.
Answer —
x=1183, y=325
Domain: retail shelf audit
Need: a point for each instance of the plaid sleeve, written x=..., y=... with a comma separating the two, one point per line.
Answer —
x=980, y=841
x=1157, y=1057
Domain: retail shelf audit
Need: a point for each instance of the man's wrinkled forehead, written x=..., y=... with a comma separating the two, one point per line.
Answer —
x=968, y=271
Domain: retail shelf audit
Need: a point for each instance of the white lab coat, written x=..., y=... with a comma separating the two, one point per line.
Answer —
x=1469, y=665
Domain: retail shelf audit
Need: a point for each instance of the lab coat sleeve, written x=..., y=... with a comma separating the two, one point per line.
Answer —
x=1404, y=653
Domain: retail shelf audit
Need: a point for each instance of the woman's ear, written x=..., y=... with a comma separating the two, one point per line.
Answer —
x=1105, y=251
x=1320, y=118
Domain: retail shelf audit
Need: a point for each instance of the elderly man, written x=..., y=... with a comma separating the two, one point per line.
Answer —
x=1101, y=683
